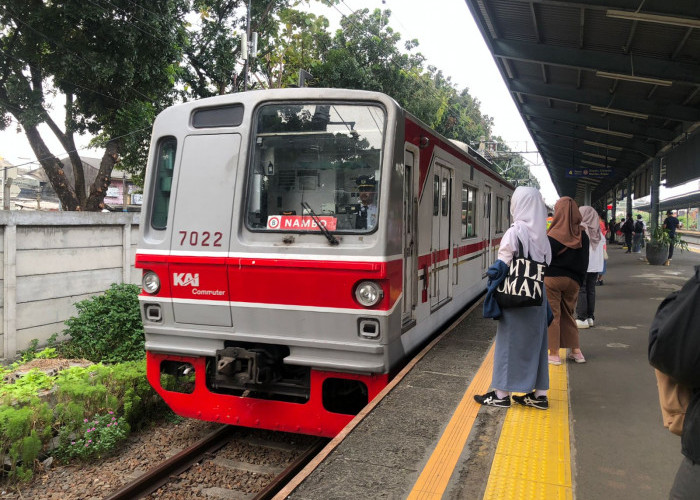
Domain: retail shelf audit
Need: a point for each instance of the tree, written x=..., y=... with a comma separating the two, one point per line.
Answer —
x=115, y=62
x=366, y=54
x=297, y=43
x=213, y=64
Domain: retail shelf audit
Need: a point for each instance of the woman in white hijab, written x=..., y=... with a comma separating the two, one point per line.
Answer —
x=520, y=357
x=585, y=305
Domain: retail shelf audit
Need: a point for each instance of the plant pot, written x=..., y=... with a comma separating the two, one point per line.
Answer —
x=657, y=253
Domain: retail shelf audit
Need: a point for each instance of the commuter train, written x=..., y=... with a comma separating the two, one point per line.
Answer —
x=270, y=296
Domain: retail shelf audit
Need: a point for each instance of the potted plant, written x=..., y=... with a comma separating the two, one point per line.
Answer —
x=658, y=245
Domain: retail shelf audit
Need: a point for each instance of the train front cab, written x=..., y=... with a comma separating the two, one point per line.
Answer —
x=256, y=320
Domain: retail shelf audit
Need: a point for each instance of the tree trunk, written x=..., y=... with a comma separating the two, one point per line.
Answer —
x=54, y=170
x=68, y=144
x=98, y=189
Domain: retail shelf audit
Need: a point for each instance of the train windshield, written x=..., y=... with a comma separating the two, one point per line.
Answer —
x=316, y=163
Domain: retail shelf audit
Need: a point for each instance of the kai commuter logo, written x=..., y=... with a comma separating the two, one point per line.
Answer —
x=185, y=279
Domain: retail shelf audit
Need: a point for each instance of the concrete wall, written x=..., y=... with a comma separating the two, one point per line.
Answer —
x=51, y=260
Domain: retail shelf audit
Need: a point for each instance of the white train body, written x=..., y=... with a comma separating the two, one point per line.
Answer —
x=274, y=322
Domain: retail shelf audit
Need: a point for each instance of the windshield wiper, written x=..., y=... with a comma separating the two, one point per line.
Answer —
x=331, y=239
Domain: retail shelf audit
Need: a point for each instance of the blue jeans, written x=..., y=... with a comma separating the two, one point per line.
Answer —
x=637, y=245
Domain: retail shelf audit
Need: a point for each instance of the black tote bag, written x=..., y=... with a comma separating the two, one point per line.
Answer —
x=523, y=286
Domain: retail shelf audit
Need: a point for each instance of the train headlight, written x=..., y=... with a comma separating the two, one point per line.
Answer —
x=369, y=293
x=151, y=282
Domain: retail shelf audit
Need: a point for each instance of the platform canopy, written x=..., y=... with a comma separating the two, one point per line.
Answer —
x=603, y=86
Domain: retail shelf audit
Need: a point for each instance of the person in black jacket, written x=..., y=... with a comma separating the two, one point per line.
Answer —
x=564, y=276
x=674, y=349
x=627, y=229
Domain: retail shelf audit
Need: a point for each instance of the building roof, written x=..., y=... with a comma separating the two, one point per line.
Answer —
x=603, y=85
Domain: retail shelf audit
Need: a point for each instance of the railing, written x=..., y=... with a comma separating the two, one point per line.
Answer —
x=691, y=237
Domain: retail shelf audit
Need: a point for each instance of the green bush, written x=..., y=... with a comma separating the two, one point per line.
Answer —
x=97, y=437
x=25, y=389
x=83, y=404
x=107, y=328
x=23, y=432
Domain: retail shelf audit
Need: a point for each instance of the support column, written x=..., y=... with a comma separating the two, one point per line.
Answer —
x=655, y=183
x=587, y=195
x=629, y=196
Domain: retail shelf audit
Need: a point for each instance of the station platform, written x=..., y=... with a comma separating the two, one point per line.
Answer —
x=424, y=437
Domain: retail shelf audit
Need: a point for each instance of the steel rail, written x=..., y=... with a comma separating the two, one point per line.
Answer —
x=158, y=476
x=287, y=474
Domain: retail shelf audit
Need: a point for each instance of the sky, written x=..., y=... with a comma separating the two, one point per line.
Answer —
x=449, y=39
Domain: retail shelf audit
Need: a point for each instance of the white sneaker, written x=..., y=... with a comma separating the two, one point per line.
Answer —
x=590, y=322
x=581, y=324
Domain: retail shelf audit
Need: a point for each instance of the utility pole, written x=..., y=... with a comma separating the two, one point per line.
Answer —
x=244, y=48
x=249, y=48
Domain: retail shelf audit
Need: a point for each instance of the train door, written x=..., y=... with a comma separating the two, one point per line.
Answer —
x=201, y=229
x=488, y=257
x=441, y=255
x=410, y=269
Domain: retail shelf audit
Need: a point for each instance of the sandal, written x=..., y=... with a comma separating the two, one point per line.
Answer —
x=576, y=357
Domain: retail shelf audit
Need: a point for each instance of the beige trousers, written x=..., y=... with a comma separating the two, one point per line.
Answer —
x=562, y=293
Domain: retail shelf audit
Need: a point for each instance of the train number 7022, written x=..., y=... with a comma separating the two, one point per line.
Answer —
x=203, y=239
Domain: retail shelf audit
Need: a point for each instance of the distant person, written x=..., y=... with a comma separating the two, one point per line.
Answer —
x=564, y=276
x=585, y=304
x=520, y=357
x=367, y=216
x=612, y=229
x=605, y=231
x=671, y=223
x=550, y=217
x=638, y=236
x=674, y=350
x=627, y=229
x=618, y=231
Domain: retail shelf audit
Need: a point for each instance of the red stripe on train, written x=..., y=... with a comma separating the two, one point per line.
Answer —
x=311, y=283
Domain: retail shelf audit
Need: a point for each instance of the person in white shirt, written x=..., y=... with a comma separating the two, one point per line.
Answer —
x=367, y=217
x=585, y=305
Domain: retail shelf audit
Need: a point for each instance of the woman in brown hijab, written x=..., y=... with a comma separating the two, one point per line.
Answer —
x=563, y=278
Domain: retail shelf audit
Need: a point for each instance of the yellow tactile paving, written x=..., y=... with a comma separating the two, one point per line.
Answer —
x=433, y=480
x=533, y=458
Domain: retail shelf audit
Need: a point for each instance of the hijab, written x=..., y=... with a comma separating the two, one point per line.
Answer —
x=529, y=215
x=591, y=224
x=566, y=226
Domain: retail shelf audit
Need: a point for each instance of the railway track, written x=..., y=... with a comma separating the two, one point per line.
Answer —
x=241, y=464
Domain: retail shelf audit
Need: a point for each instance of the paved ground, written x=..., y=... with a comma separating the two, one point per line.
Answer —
x=621, y=448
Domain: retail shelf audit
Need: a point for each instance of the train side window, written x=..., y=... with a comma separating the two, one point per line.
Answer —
x=436, y=195
x=444, y=196
x=468, y=211
x=499, y=214
x=165, y=166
